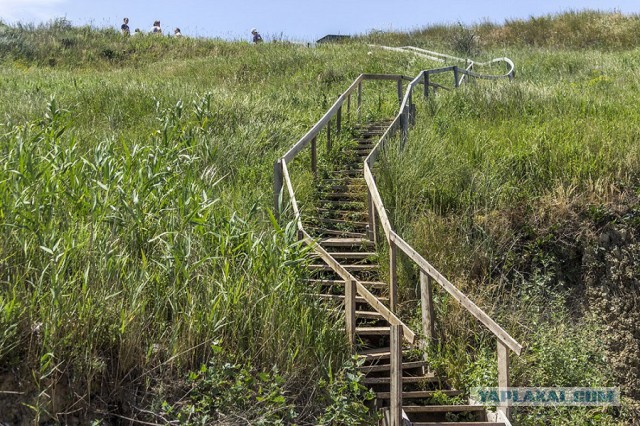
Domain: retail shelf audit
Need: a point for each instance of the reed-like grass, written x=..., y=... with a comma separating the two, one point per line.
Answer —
x=135, y=197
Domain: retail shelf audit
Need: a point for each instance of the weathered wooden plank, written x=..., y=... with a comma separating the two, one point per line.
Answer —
x=439, y=70
x=375, y=197
x=478, y=313
x=350, y=311
x=426, y=297
x=395, y=402
x=393, y=278
x=292, y=194
x=314, y=157
x=503, y=374
x=277, y=187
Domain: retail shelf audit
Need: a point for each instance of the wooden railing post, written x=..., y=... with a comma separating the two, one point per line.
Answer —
x=350, y=311
x=412, y=109
x=278, y=186
x=426, y=298
x=349, y=106
x=393, y=277
x=329, y=137
x=456, y=83
x=372, y=232
x=404, y=121
x=359, y=101
x=426, y=85
x=314, y=157
x=339, y=122
x=399, y=90
x=396, y=376
x=503, y=373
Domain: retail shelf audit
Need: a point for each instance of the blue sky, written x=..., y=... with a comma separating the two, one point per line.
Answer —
x=299, y=20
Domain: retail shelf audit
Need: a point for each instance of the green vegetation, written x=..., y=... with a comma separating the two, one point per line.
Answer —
x=137, y=243
x=511, y=190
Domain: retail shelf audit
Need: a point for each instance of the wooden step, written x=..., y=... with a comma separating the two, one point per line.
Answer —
x=375, y=354
x=344, y=205
x=429, y=377
x=387, y=367
x=359, y=187
x=358, y=255
x=345, y=181
x=419, y=394
x=340, y=297
x=347, y=267
x=360, y=214
x=345, y=242
x=442, y=408
x=373, y=331
x=357, y=196
x=372, y=133
x=368, y=284
x=369, y=315
x=347, y=172
x=336, y=232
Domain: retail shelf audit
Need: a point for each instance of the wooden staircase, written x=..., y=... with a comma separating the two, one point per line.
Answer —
x=341, y=225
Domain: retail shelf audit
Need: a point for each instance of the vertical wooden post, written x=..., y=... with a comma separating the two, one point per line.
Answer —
x=339, y=122
x=426, y=85
x=329, y=137
x=456, y=83
x=426, y=298
x=278, y=185
x=350, y=311
x=393, y=277
x=503, y=373
x=372, y=233
x=349, y=106
x=314, y=157
x=411, y=106
x=396, y=375
x=399, y=91
x=359, y=101
x=404, y=122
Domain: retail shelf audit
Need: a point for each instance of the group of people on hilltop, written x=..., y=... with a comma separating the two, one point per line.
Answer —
x=156, y=29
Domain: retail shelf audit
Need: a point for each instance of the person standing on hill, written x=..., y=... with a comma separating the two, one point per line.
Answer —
x=257, y=38
x=156, y=28
x=124, y=28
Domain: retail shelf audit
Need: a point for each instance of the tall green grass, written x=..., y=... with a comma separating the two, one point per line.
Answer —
x=495, y=187
x=135, y=197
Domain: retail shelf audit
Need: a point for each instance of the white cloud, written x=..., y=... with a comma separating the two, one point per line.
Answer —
x=29, y=10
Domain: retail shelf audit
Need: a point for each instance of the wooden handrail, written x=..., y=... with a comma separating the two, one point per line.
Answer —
x=378, y=306
x=394, y=239
x=480, y=315
x=427, y=271
x=292, y=195
x=362, y=290
x=333, y=110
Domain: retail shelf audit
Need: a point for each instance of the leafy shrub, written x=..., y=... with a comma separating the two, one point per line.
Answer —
x=348, y=397
x=236, y=392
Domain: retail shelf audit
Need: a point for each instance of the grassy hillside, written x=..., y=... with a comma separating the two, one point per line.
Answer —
x=139, y=261
x=137, y=241
x=526, y=196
